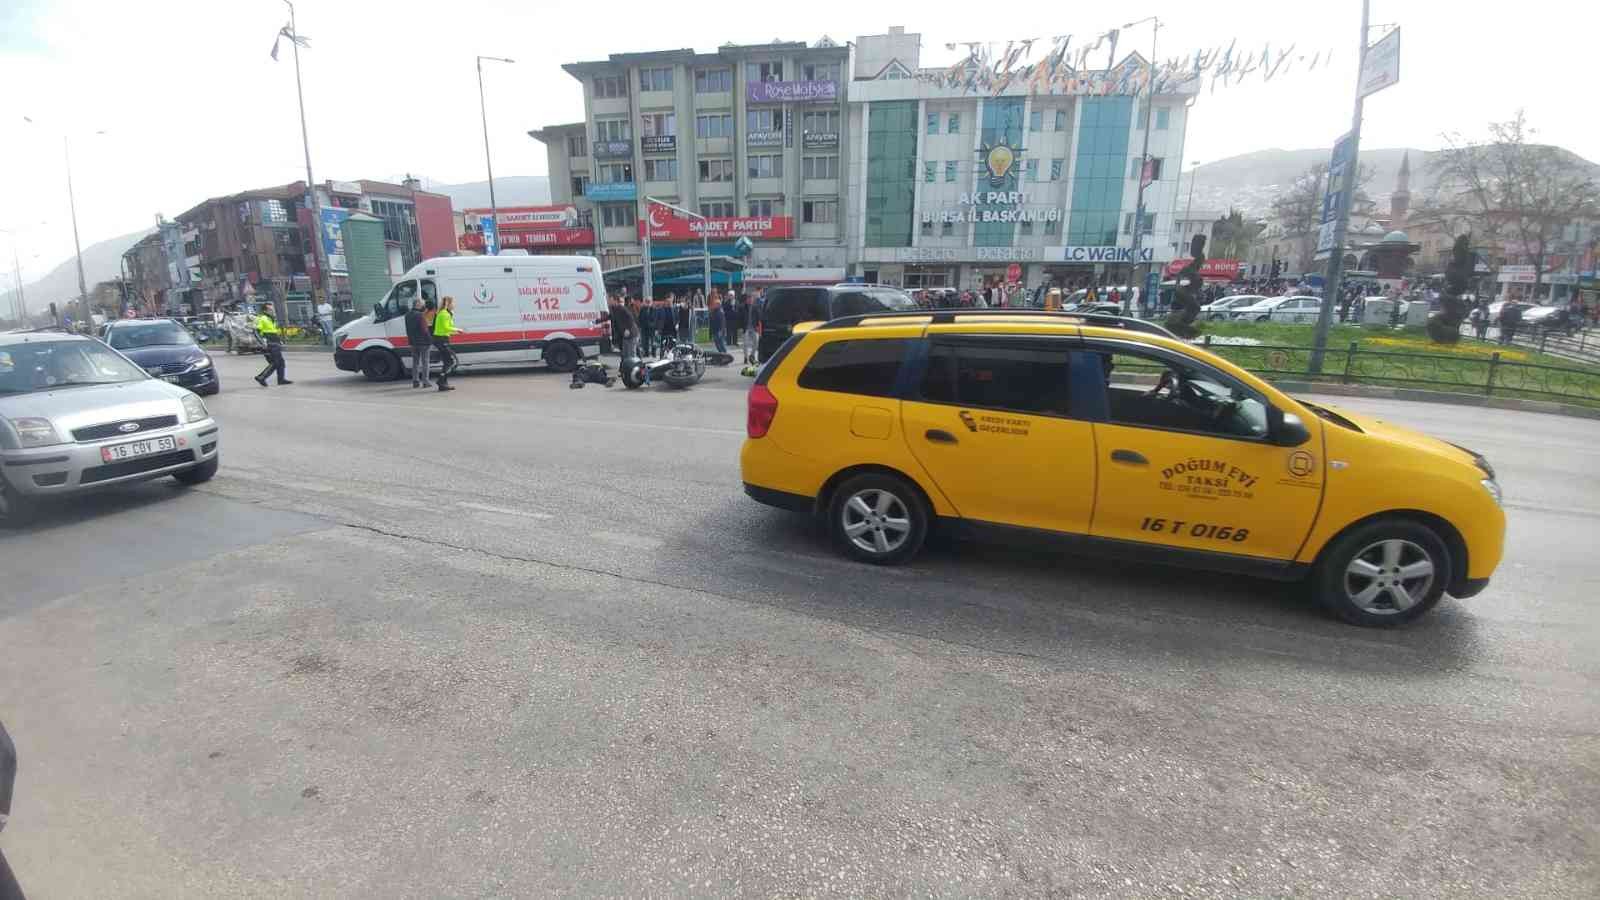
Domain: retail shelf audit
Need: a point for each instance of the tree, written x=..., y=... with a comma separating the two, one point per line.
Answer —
x=1299, y=210
x=1232, y=236
x=1517, y=197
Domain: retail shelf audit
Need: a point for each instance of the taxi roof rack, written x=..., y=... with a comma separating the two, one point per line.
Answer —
x=949, y=316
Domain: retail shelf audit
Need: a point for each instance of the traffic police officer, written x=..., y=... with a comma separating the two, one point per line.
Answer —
x=267, y=328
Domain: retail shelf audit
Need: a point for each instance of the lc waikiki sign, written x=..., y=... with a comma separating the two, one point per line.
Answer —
x=1107, y=254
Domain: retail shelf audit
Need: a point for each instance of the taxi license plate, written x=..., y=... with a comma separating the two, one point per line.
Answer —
x=137, y=449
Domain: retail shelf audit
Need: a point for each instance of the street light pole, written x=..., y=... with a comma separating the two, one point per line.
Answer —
x=705, y=247
x=318, y=250
x=1331, y=286
x=1189, y=207
x=1144, y=160
x=72, y=203
x=483, y=113
x=16, y=273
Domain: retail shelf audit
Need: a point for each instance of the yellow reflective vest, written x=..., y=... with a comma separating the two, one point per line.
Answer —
x=444, y=324
x=266, y=326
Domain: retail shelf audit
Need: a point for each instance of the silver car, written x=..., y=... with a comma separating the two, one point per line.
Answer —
x=76, y=415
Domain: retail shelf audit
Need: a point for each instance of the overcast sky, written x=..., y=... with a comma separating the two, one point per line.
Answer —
x=192, y=106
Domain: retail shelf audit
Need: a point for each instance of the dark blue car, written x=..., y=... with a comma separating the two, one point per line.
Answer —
x=165, y=349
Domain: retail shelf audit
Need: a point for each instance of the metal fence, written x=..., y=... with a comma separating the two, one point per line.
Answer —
x=1489, y=375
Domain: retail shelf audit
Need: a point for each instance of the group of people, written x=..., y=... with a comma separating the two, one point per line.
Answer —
x=429, y=326
x=642, y=328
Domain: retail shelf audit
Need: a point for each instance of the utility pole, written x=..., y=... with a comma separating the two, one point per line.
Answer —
x=1330, y=291
x=72, y=203
x=1144, y=162
x=494, y=208
x=319, y=250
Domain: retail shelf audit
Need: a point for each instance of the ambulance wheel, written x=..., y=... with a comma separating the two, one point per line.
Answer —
x=561, y=356
x=380, y=365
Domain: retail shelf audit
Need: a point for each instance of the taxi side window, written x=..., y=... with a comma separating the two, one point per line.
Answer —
x=1009, y=375
x=867, y=367
x=1176, y=396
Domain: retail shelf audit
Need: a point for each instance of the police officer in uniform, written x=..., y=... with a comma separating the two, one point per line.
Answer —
x=267, y=328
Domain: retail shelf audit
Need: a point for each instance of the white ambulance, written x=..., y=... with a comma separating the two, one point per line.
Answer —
x=511, y=310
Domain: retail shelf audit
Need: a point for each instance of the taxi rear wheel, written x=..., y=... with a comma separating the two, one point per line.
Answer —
x=877, y=518
x=1384, y=573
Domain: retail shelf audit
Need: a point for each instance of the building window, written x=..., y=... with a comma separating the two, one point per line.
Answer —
x=607, y=86
x=274, y=213
x=1163, y=118
x=717, y=209
x=577, y=145
x=1061, y=120
x=660, y=124
x=819, y=71
x=766, y=208
x=1050, y=226
x=613, y=130
x=1036, y=120
x=713, y=81
x=764, y=120
x=714, y=126
x=1025, y=228
x=1149, y=223
x=661, y=169
x=616, y=215
x=716, y=170
x=763, y=71
x=930, y=172
x=655, y=79
x=954, y=124
x=890, y=175
x=822, y=121
x=580, y=185
x=766, y=166
x=927, y=228
x=615, y=173
x=1032, y=167
x=933, y=123
x=947, y=229
x=1055, y=169
x=820, y=167
x=950, y=171
x=819, y=212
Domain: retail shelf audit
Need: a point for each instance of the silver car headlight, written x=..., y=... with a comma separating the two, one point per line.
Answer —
x=34, y=432
x=1493, y=487
x=194, y=409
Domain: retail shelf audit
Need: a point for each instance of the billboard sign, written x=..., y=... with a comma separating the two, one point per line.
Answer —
x=664, y=226
x=821, y=140
x=611, y=149
x=1333, y=196
x=1107, y=254
x=491, y=235
x=659, y=143
x=526, y=217
x=620, y=190
x=1211, y=269
x=1380, y=68
x=791, y=91
x=333, y=238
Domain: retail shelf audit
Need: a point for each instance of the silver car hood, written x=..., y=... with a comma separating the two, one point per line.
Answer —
x=76, y=407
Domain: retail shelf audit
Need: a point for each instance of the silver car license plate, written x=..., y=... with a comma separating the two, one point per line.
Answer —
x=172, y=379
x=120, y=452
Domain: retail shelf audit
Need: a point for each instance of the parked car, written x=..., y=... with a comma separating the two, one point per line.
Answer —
x=165, y=349
x=1260, y=311
x=786, y=307
x=1219, y=310
x=1302, y=310
x=888, y=427
x=76, y=415
x=1549, y=318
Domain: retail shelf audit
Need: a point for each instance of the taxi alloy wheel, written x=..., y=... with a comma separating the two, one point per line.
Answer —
x=878, y=519
x=1384, y=573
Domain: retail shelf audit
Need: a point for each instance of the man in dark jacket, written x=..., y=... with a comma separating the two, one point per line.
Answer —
x=624, y=330
x=419, y=341
x=666, y=324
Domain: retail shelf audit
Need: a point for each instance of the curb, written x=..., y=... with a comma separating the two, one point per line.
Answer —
x=1334, y=388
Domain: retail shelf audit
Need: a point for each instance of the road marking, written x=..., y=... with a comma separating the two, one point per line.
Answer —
x=521, y=513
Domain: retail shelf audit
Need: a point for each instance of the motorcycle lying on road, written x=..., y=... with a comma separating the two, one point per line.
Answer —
x=680, y=365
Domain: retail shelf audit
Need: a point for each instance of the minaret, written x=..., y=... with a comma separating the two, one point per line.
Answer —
x=1400, y=200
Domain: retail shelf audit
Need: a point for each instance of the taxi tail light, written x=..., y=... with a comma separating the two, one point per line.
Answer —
x=763, y=408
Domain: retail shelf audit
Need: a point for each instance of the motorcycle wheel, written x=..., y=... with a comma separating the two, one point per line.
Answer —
x=633, y=376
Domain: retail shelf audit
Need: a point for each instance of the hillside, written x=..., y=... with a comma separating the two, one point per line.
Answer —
x=509, y=190
x=101, y=262
x=1251, y=182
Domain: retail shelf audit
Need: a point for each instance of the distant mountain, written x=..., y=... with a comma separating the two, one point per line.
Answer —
x=1252, y=181
x=509, y=190
x=101, y=262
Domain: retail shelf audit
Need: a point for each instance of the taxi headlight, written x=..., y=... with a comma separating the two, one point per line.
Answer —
x=35, y=432
x=194, y=409
x=1493, y=487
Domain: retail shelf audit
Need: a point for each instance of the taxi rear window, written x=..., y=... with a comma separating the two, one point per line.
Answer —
x=868, y=367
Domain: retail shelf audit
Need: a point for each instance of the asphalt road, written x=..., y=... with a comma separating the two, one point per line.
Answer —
x=522, y=640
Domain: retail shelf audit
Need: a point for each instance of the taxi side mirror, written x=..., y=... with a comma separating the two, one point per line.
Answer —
x=1286, y=429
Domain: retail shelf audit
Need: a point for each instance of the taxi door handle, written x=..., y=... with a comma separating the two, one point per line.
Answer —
x=939, y=436
x=1129, y=457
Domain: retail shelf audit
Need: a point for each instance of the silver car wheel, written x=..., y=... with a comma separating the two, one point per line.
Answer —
x=876, y=521
x=1388, y=577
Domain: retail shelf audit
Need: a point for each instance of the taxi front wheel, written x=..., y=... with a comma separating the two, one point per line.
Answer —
x=878, y=519
x=1386, y=572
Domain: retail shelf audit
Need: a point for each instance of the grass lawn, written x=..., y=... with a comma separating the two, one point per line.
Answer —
x=1406, y=357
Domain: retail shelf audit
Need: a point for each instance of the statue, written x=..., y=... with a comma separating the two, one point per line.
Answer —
x=1186, y=298
x=1444, y=326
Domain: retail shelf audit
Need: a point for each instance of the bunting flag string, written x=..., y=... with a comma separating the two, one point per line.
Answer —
x=1065, y=69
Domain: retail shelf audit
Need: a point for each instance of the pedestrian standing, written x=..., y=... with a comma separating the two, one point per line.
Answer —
x=325, y=320
x=272, y=340
x=645, y=313
x=417, y=336
x=1510, y=318
x=666, y=324
x=732, y=310
x=718, y=323
x=1480, y=319
x=752, y=329
x=624, y=330
x=444, y=326
x=685, y=316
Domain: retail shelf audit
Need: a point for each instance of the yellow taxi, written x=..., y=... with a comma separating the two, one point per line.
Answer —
x=1111, y=437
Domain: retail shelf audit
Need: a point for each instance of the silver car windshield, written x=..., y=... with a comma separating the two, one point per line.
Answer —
x=51, y=365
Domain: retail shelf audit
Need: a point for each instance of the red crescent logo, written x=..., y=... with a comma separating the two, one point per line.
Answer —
x=653, y=222
x=588, y=292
